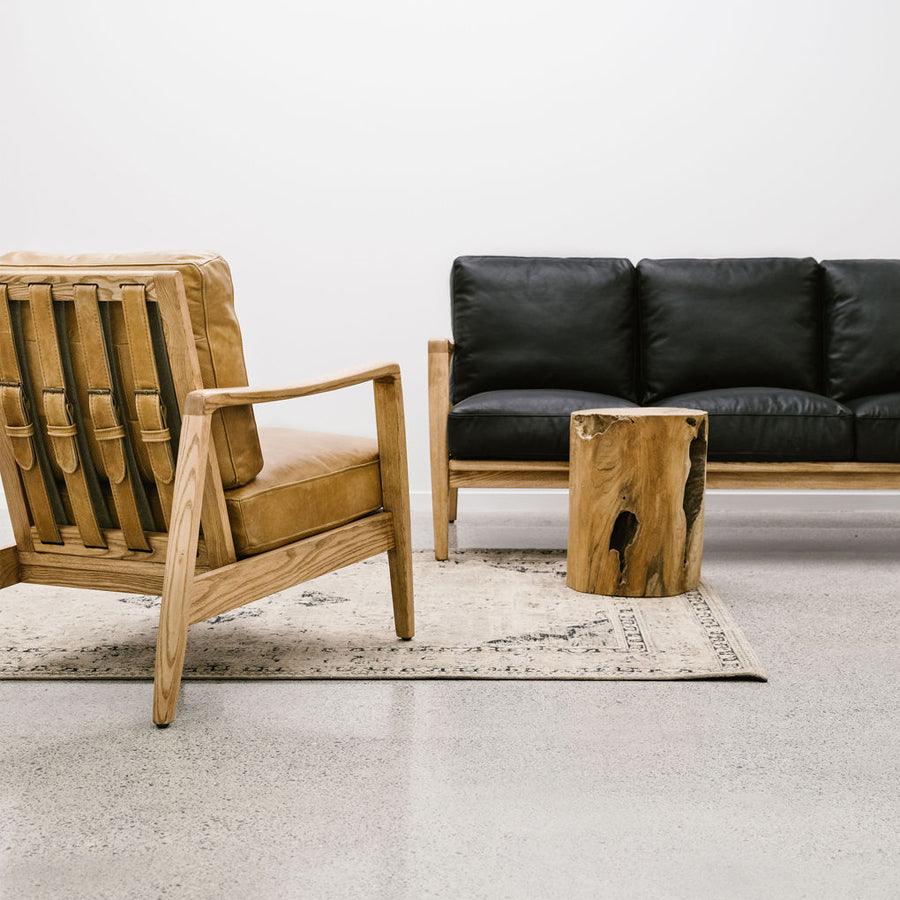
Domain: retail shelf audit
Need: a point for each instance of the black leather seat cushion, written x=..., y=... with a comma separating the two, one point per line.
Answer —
x=543, y=323
x=862, y=335
x=772, y=424
x=877, y=427
x=721, y=323
x=524, y=424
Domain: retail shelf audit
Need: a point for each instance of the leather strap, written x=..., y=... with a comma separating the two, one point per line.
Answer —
x=150, y=410
x=60, y=426
x=19, y=428
x=108, y=430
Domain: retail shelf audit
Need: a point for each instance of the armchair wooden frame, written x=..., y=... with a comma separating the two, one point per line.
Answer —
x=449, y=475
x=200, y=576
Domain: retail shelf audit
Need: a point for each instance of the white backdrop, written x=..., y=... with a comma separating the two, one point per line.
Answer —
x=340, y=154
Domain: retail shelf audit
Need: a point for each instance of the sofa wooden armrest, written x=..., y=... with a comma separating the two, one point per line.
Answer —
x=443, y=497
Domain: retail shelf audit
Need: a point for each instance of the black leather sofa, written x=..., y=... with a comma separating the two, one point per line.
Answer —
x=796, y=362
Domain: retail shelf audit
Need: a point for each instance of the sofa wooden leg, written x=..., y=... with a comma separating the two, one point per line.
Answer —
x=181, y=559
x=440, y=509
x=454, y=499
x=438, y=410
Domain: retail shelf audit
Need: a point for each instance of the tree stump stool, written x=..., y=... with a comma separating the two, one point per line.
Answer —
x=636, y=483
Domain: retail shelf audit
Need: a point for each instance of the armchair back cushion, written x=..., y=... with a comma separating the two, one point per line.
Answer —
x=217, y=336
x=862, y=305
x=530, y=323
x=721, y=323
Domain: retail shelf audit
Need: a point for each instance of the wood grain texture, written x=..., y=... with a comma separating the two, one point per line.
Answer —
x=185, y=365
x=220, y=590
x=184, y=532
x=117, y=547
x=804, y=476
x=439, y=353
x=454, y=504
x=211, y=399
x=391, y=427
x=719, y=475
x=636, y=491
x=469, y=473
x=9, y=566
x=64, y=278
x=91, y=574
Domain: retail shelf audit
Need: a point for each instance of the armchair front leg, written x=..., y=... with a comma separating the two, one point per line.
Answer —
x=389, y=421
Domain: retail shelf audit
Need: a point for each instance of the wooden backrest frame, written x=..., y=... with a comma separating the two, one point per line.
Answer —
x=116, y=567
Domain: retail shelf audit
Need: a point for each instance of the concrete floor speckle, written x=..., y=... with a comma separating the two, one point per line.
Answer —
x=498, y=789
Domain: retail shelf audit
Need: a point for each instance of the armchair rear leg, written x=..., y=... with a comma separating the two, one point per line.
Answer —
x=395, y=490
x=454, y=499
x=181, y=559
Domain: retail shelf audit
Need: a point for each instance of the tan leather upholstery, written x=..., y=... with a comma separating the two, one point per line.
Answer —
x=310, y=482
x=217, y=335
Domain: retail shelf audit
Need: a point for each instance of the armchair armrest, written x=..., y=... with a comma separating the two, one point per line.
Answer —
x=207, y=401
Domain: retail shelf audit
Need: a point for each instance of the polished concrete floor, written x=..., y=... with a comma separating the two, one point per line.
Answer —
x=508, y=789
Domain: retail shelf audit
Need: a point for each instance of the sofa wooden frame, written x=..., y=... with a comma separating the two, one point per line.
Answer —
x=449, y=475
x=200, y=577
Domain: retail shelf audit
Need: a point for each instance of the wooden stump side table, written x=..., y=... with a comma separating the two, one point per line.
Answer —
x=636, y=482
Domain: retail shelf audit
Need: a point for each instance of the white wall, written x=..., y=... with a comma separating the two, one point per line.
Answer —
x=340, y=154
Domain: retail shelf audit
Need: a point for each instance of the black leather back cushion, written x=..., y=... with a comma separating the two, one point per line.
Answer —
x=862, y=330
x=521, y=323
x=719, y=323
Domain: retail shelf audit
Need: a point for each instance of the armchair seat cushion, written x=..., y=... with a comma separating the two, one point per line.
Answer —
x=877, y=427
x=310, y=482
x=522, y=424
x=749, y=424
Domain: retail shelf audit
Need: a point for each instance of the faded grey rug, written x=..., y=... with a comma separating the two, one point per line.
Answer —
x=482, y=614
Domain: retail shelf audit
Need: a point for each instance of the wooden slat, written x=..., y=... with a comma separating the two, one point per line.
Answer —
x=719, y=475
x=117, y=547
x=489, y=474
x=64, y=281
x=95, y=574
x=220, y=590
x=9, y=566
x=804, y=476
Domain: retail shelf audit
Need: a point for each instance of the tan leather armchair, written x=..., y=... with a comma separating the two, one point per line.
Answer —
x=131, y=459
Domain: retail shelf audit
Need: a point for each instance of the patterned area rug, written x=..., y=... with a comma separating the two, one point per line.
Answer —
x=483, y=614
